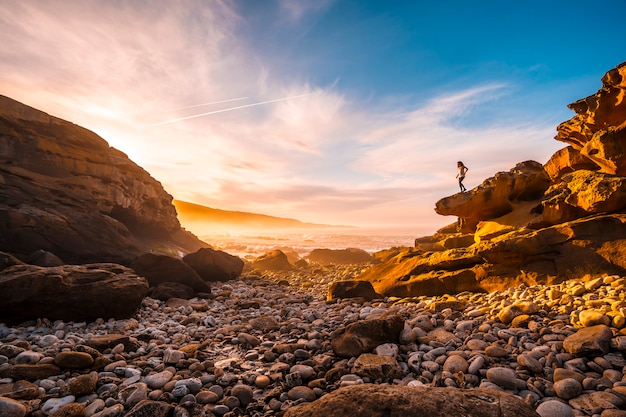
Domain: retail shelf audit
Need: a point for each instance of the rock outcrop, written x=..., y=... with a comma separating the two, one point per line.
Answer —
x=396, y=400
x=66, y=191
x=339, y=256
x=69, y=292
x=274, y=260
x=161, y=269
x=214, y=265
x=535, y=224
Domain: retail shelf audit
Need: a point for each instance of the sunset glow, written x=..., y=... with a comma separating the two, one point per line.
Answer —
x=335, y=112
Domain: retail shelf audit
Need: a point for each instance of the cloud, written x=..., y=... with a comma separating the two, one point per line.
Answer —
x=295, y=10
x=115, y=67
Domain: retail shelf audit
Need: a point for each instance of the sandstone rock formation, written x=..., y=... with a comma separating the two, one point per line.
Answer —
x=352, y=289
x=214, y=265
x=274, y=260
x=397, y=400
x=160, y=269
x=363, y=336
x=66, y=191
x=535, y=223
x=339, y=256
x=69, y=292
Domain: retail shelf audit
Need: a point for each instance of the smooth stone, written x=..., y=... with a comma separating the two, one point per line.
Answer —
x=562, y=373
x=94, y=407
x=133, y=394
x=158, y=380
x=476, y=344
x=529, y=363
x=207, y=397
x=301, y=393
x=112, y=411
x=305, y=371
x=496, y=351
x=554, y=408
x=590, y=318
x=243, y=393
x=81, y=385
x=150, y=408
x=567, y=388
x=193, y=384
x=503, y=377
x=12, y=408
x=73, y=360
x=387, y=349
x=593, y=340
x=70, y=410
x=262, y=381
x=54, y=404
x=476, y=364
x=455, y=363
x=28, y=357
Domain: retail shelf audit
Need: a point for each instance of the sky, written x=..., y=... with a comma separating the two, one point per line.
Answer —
x=327, y=111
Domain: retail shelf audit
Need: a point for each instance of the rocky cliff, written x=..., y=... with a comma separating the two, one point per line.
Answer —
x=65, y=190
x=535, y=223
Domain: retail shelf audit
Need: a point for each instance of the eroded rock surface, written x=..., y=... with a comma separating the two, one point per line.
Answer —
x=69, y=292
x=380, y=400
x=534, y=224
x=66, y=191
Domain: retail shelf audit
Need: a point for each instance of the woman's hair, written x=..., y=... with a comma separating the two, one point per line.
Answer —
x=460, y=163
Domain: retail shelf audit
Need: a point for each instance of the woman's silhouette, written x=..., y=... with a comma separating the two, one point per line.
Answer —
x=461, y=175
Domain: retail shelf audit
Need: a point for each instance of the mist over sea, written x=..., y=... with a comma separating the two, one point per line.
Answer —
x=253, y=244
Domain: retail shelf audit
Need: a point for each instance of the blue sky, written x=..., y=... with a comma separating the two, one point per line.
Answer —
x=336, y=112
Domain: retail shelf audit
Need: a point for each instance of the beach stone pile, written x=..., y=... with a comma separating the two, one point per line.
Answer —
x=271, y=344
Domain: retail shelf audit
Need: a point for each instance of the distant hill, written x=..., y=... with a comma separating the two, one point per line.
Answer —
x=193, y=214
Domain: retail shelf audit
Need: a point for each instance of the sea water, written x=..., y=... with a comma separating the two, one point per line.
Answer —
x=254, y=244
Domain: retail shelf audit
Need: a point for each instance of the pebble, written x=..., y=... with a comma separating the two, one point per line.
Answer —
x=54, y=404
x=554, y=408
x=503, y=377
x=260, y=344
x=12, y=408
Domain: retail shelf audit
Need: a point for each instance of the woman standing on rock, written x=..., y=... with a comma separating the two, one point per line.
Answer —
x=461, y=175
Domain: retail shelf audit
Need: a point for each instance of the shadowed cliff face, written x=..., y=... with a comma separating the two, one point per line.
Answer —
x=65, y=190
x=536, y=224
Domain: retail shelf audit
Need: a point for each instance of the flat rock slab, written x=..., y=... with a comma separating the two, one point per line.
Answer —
x=402, y=401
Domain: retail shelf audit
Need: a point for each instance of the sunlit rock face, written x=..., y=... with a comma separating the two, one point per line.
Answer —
x=495, y=196
x=598, y=130
x=65, y=190
x=535, y=224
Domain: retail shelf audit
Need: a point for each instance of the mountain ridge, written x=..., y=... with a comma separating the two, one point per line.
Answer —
x=192, y=212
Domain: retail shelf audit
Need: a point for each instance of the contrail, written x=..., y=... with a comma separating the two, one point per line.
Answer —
x=228, y=109
x=212, y=102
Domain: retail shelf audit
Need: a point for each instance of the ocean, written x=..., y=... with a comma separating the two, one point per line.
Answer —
x=254, y=244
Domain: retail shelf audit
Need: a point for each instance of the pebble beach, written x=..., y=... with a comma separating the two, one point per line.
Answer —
x=261, y=344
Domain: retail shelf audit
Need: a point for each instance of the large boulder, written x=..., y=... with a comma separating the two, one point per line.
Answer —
x=364, y=335
x=274, y=260
x=375, y=400
x=352, y=289
x=598, y=129
x=533, y=224
x=66, y=191
x=70, y=292
x=339, y=256
x=414, y=272
x=584, y=247
x=495, y=196
x=567, y=160
x=214, y=265
x=582, y=193
x=159, y=269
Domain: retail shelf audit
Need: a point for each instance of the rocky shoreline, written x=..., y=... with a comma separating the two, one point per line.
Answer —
x=266, y=342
